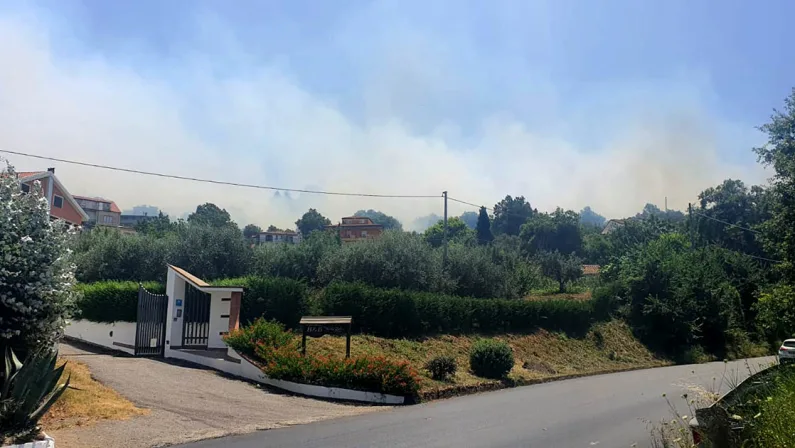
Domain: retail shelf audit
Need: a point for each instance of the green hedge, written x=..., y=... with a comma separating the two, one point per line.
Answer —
x=112, y=301
x=274, y=298
x=398, y=313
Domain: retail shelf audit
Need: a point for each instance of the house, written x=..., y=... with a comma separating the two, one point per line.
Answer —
x=613, y=225
x=590, y=269
x=62, y=204
x=100, y=211
x=280, y=236
x=357, y=228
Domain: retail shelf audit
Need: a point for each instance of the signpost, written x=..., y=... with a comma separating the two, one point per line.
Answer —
x=315, y=327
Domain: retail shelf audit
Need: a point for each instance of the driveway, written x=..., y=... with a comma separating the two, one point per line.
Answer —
x=187, y=403
x=599, y=411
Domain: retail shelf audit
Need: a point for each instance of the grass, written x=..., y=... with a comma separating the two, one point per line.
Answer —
x=86, y=402
x=546, y=295
x=608, y=347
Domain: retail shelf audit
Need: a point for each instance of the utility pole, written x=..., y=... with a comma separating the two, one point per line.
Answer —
x=444, y=237
x=690, y=223
x=666, y=204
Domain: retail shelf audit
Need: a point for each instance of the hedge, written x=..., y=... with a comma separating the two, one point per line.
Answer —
x=112, y=301
x=274, y=298
x=398, y=313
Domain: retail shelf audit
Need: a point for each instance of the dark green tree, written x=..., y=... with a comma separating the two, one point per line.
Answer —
x=558, y=231
x=726, y=211
x=311, y=221
x=158, y=226
x=211, y=215
x=457, y=231
x=483, y=227
x=389, y=222
x=272, y=228
x=779, y=152
x=251, y=230
x=470, y=219
x=509, y=215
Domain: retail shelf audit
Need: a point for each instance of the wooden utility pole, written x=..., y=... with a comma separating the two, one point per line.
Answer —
x=690, y=224
x=444, y=237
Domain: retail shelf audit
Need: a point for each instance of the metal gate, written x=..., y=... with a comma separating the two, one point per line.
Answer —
x=150, y=329
x=196, y=320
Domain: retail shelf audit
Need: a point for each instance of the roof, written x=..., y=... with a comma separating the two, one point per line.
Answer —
x=278, y=232
x=590, y=269
x=325, y=320
x=28, y=176
x=331, y=226
x=189, y=277
x=113, y=207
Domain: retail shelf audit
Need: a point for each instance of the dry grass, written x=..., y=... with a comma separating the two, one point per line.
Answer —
x=541, y=356
x=87, y=401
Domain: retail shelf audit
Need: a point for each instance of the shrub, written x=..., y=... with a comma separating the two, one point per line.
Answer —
x=270, y=333
x=112, y=301
x=398, y=313
x=776, y=314
x=442, y=366
x=282, y=299
x=491, y=358
x=36, y=270
x=296, y=261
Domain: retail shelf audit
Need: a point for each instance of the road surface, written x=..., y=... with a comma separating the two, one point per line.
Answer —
x=599, y=411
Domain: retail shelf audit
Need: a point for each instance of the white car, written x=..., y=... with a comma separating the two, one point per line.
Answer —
x=786, y=353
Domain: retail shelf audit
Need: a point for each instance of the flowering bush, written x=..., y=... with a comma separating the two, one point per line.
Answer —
x=369, y=373
x=36, y=273
x=276, y=351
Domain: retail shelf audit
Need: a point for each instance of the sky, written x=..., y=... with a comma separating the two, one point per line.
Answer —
x=610, y=104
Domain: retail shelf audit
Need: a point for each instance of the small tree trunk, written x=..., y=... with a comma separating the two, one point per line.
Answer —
x=562, y=288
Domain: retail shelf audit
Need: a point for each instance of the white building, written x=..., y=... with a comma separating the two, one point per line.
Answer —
x=289, y=237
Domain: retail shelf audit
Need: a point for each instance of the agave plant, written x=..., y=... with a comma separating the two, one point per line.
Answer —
x=27, y=391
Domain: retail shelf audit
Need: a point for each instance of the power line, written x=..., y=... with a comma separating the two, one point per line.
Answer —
x=218, y=182
x=468, y=203
x=726, y=223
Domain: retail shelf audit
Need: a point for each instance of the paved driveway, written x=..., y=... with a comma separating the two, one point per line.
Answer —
x=187, y=404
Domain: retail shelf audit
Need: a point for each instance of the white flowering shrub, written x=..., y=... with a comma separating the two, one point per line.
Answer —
x=36, y=273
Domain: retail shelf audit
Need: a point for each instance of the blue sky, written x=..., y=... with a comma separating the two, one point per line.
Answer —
x=610, y=104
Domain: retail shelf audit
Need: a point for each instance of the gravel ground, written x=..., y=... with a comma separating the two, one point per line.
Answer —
x=187, y=403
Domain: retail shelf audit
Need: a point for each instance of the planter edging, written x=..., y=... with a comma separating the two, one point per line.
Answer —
x=47, y=442
x=249, y=369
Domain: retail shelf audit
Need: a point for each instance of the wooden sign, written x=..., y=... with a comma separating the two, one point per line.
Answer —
x=318, y=326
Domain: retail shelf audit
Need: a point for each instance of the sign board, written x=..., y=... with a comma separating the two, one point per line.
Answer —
x=179, y=302
x=319, y=326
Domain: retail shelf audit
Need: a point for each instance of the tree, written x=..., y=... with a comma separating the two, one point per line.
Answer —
x=470, y=219
x=555, y=232
x=562, y=268
x=211, y=215
x=483, y=227
x=251, y=230
x=733, y=209
x=650, y=210
x=457, y=231
x=591, y=218
x=272, y=228
x=311, y=221
x=36, y=269
x=779, y=152
x=160, y=225
x=389, y=222
x=510, y=214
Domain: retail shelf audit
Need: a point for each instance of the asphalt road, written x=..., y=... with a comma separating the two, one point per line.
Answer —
x=603, y=411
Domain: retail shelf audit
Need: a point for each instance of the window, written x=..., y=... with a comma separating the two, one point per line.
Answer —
x=107, y=219
x=57, y=201
x=268, y=238
x=25, y=188
x=364, y=234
